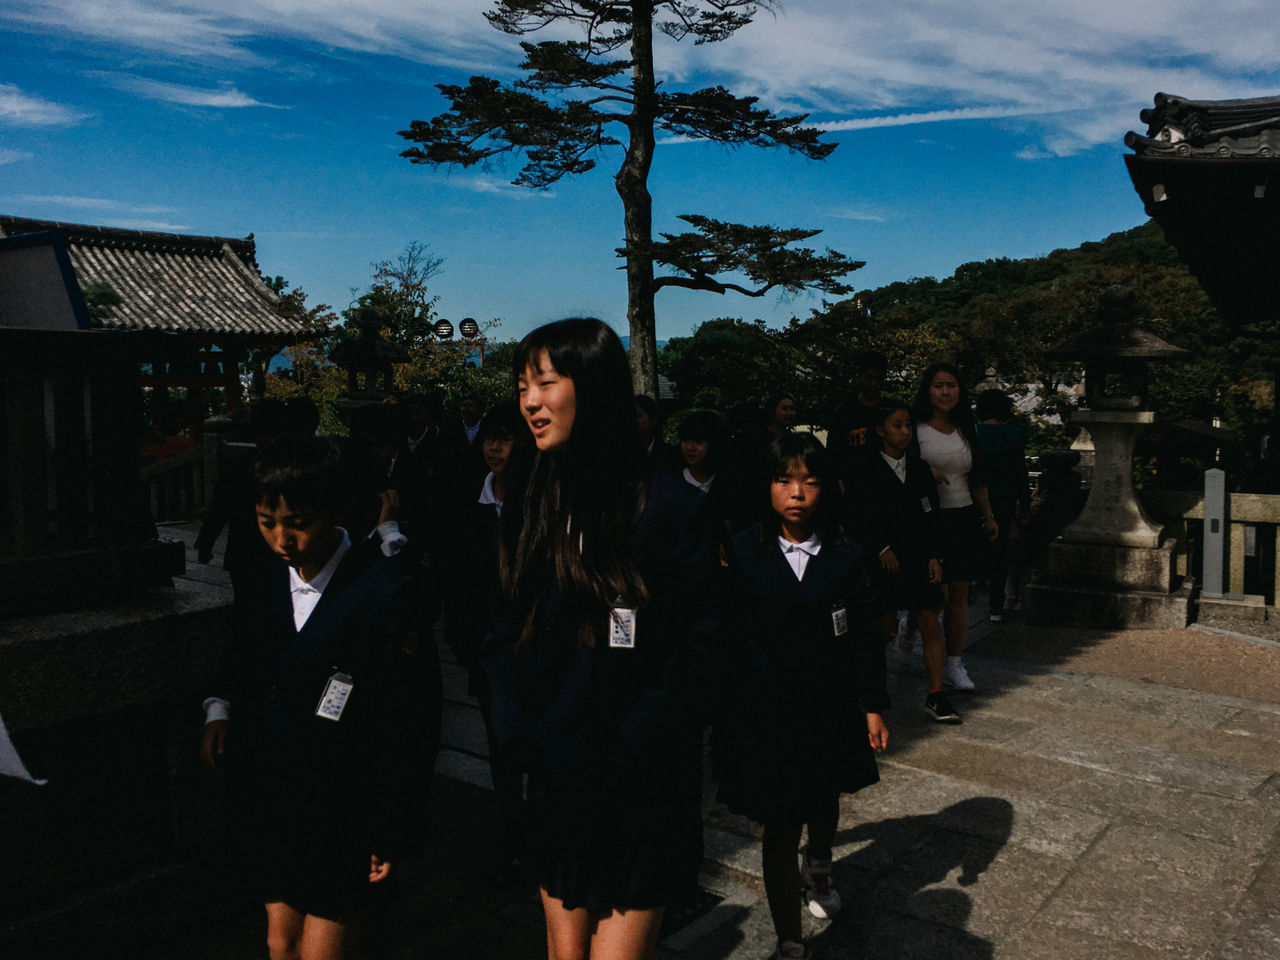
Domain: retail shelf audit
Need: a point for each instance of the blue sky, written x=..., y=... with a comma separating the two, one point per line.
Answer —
x=966, y=131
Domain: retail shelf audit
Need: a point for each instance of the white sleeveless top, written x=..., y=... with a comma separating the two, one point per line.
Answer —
x=949, y=454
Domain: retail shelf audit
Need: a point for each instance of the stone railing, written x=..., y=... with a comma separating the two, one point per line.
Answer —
x=180, y=487
x=1252, y=544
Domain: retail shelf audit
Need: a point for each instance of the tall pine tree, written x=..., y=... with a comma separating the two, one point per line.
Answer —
x=576, y=94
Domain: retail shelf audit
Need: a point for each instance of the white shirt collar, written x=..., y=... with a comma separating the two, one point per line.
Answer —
x=797, y=554
x=487, y=496
x=704, y=487
x=899, y=466
x=811, y=546
x=321, y=580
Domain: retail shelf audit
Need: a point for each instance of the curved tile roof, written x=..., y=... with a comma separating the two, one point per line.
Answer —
x=172, y=282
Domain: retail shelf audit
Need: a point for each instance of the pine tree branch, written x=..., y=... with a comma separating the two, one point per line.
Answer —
x=487, y=119
x=763, y=253
x=716, y=114
x=709, y=284
x=563, y=64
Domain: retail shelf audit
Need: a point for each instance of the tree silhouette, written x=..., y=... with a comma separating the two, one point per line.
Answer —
x=576, y=94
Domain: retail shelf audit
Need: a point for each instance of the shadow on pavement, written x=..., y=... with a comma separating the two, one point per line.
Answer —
x=895, y=902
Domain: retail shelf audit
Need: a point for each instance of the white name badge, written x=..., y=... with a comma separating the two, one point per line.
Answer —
x=335, y=697
x=839, y=620
x=622, y=628
x=924, y=504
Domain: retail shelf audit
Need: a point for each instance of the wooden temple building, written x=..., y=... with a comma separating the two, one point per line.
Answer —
x=105, y=644
x=200, y=305
x=102, y=331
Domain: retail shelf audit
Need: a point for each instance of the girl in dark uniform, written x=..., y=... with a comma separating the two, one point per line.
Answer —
x=805, y=644
x=610, y=599
x=899, y=519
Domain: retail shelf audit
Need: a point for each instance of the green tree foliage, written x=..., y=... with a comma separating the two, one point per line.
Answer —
x=99, y=299
x=1002, y=315
x=581, y=97
x=309, y=372
x=1005, y=315
x=730, y=366
x=399, y=290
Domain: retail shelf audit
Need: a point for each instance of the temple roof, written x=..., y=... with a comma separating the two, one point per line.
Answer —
x=1178, y=127
x=169, y=282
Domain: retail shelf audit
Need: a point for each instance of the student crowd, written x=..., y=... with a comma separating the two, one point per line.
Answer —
x=611, y=596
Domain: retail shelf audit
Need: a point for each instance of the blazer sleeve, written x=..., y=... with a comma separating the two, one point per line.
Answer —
x=407, y=731
x=873, y=693
x=684, y=692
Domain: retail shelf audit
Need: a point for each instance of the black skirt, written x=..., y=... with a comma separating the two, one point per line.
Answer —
x=909, y=588
x=616, y=845
x=961, y=543
x=318, y=863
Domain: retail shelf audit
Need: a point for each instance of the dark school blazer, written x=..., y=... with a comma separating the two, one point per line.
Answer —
x=792, y=732
x=612, y=737
x=892, y=514
x=357, y=781
x=606, y=715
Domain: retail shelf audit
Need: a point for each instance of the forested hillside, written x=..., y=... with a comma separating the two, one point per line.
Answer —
x=1000, y=315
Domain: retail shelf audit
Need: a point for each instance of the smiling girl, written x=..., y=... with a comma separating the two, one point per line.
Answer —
x=609, y=580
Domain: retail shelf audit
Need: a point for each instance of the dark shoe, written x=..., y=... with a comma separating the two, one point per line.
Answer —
x=940, y=708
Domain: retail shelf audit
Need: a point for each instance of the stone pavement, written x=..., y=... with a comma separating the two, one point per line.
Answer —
x=1109, y=795
x=1072, y=814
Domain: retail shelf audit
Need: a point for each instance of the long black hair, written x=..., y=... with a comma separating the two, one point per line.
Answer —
x=573, y=523
x=784, y=452
x=922, y=405
x=961, y=416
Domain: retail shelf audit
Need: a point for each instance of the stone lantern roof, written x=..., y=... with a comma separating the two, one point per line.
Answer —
x=1116, y=334
x=1115, y=352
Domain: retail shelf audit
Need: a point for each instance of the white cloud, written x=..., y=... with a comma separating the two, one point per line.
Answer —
x=13, y=156
x=225, y=96
x=96, y=203
x=482, y=183
x=930, y=116
x=442, y=31
x=25, y=110
x=161, y=225
x=847, y=64
x=856, y=213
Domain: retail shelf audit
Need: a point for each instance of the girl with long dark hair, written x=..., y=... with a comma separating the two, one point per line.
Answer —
x=946, y=439
x=609, y=582
x=806, y=644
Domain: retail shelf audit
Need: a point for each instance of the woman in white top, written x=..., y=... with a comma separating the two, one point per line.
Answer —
x=948, y=442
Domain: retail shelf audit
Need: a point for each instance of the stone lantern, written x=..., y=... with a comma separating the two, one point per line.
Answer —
x=1113, y=566
x=370, y=354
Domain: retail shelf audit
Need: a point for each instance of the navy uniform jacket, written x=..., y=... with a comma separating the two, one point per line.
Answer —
x=892, y=513
x=612, y=738
x=794, y=731
x=356, y=782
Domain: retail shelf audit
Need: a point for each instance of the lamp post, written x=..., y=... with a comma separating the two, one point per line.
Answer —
x=470, y=331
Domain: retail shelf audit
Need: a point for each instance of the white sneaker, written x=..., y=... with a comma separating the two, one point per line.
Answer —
x=955, y=676
x=823, y=900
x=791, y=950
